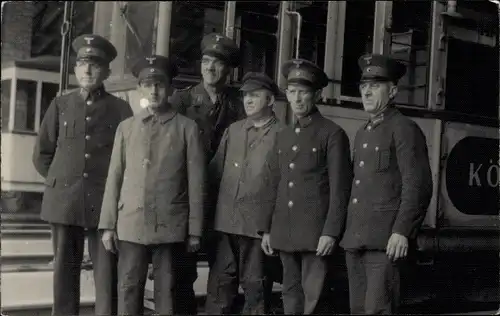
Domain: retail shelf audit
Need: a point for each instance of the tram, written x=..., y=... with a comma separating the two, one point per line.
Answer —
x=451, y=90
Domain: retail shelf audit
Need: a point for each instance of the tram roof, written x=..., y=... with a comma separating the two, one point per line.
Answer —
x=44, y=63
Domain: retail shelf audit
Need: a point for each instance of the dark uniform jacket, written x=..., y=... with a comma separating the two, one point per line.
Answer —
x=239, y=165
x=72, y=152
x=311, y=176
x=212, y=119
x=392, y=184
x=154, y=192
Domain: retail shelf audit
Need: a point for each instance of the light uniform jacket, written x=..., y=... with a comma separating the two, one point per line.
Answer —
x=239, y=166
x=72, y=152
x=155, y=187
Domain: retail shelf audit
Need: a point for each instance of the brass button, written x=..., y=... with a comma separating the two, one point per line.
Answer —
x=355, y=201
x=357, y=182
x=297, y=130
x=89, y=102
x=290, y=184
x=87, y=137
x=376, y=148
x=87, y=118
x=294, y=147
x=361, y=163
x=236, y=164
x=87, y=156
x=65, y=123
x=369, y=127
x=290, y=204
x=365, y=145
x=314, y=150
x=85, y=175
x=292, y=165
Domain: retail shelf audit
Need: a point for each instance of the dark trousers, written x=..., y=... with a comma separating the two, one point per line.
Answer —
x=133, y=260
x=374, y=282
x=67, y=268
x=238, y=259
x=303, y=279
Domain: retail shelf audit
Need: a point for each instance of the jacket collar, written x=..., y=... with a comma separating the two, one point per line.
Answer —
x=307, y=120
x=375, y=121
x=92, y=95
x=146, y=114
x=249, y=123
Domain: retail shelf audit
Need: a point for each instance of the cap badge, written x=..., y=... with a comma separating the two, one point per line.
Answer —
x=88, y=50
x=298, y=73
x=369, y=69
x=88, y=39
x=150, y=60
x=368, y=60
x=218, y=37
x=297, y=63
x=152, y=70
x=216, y=46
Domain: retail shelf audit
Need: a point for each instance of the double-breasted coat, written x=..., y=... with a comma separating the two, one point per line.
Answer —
x=392, y=184
x=239, y=165
x=309, y=184
x=72, y=152
x=155, y=187
x=212, y=119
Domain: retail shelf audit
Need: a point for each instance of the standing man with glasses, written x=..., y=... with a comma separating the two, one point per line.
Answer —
x=391, y=191
x=72, y=152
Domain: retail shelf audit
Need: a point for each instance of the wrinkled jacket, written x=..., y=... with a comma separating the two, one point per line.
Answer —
x=310, y=177
x=240, y=170
x=72, y=152
x=155, y=186
x=392, y=184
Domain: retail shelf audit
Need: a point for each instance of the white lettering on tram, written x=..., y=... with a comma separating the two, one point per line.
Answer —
x=474, y=175
x=492, y=175
x=489, y=176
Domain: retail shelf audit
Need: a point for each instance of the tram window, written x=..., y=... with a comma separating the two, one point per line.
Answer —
x=409, y=43
x=472, y=81
x=357, y=41
x=6, y=84
x=191, y=20
x=49, y=92
x=257, y=36
x=24, y=116
x=140, y=17
x=313, y=31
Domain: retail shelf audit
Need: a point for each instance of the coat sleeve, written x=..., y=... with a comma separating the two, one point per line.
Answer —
x=46, y=142
x=340, y=176
x=110, y=201
x=196, y=172
x=269, y=191
x=416, y=192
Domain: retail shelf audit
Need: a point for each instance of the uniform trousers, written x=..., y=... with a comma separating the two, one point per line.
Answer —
x=374, y=282
x=303, y=281
x=133, y=261
x=239, y=259
x=67, y=269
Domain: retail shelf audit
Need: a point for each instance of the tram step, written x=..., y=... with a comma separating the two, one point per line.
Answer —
x=26, y=233
x=21, y=218
x=21, y=225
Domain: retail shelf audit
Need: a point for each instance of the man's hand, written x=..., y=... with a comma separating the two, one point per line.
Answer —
x=109, y=240
x=193, y=244
x=326, y=245
x=266, y=245
x=397, y=247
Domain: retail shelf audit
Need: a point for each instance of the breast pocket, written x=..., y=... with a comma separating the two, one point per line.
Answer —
x=383, y=159
x=309, y=157
x=67, y=129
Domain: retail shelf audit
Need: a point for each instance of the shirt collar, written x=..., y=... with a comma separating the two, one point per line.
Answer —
x=93, y=95
x=164, y=117
x=307, y=120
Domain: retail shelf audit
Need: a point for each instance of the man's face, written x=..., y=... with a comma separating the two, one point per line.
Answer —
x=301, y=98
x=155, y=92
x=90, y=74
x=213, y=70
x=376, y=95
x=256, y=102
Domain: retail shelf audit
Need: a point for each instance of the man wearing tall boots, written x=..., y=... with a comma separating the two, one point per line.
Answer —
x=72, y=152
x=391, y=191
x=214, y=106
x=309, y=183
x=237, y=169
x=153, y=203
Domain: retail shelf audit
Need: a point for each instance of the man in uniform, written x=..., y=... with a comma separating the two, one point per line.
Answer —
x=153, y=203
x=391, y=191
x=237, y=169
x=214, y=106
x=72, y=152
x=310, y=179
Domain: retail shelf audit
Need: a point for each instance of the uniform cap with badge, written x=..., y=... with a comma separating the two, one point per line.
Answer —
x=94, y=47
x=222, y=47
x=376, y=67
x=154, y=68
x=256, y=80
x=304, y=72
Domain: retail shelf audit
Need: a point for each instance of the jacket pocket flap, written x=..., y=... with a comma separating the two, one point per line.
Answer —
x=50, y=181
